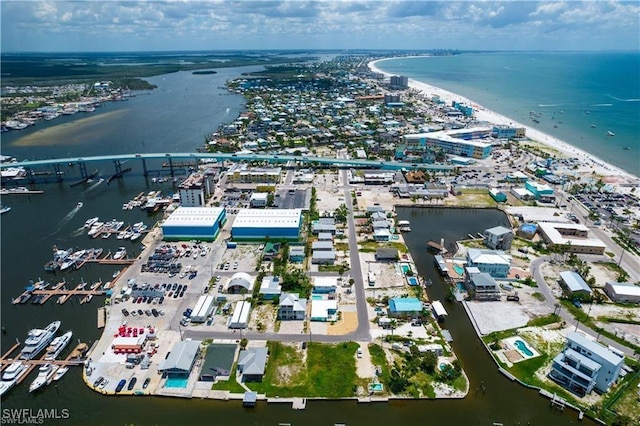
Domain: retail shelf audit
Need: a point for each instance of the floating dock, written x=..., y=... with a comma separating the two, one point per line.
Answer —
x=102, y=317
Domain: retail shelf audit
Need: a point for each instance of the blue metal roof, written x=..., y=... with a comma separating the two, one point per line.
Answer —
x=405, y=304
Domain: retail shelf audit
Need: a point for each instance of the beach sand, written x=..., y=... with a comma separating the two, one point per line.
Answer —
x=608, y=172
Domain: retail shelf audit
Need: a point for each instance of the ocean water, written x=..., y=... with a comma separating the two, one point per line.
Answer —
x=580, y=96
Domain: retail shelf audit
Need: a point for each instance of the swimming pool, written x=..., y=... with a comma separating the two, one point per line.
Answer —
x=442, y=366
x=316, y=297
x=522, y=346
x=459, y=269
x=176, y=382
x=405, y=267
x=460, y=286
x=412, y=281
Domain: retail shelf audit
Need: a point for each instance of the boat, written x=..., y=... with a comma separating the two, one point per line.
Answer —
x=4, y=209
x=120, y=253
x=72, y=259
x=610, y=133
x=11, y=375
x=89, y=222
x=38, y=339
x=61, y=372
x=41, y=379
x=135, y=235
x=95, y=228
x=627, y=148
x=57, y=345
x=593, y=126
x=116, y=273
x=80, y=204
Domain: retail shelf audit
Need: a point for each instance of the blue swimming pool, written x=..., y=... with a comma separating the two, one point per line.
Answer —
x=316, y=297
x=460, y=286
x=175, y=382
x=459, y=269
x=522, y=346
x=412, y=281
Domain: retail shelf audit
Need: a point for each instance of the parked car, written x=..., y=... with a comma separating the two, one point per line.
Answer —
x=120, y=385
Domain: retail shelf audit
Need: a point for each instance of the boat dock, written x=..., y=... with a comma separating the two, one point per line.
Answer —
x=19, y=191
x=438, y=248
x=65, y=293
x=102, y=317
x=55, y=287
x=74, y=358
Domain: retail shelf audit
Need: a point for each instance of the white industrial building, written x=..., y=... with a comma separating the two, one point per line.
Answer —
x=573, y=237
x=240, y=317
x=203, y=308
x=259, y=199
x=260, y=224
x=622, y=292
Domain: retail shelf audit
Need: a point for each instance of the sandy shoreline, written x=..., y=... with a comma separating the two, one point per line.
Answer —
x=591, y=163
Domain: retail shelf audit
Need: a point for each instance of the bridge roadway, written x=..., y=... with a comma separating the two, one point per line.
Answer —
x=344, y=162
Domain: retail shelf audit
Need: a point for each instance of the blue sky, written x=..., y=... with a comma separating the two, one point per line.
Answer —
x=222, y=25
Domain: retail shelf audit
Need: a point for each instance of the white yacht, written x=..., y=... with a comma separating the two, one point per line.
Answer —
x=11, y=376
x=41, y=380
x=120, y=253
x=57, y=345
x=89, y=223
x=4, y=209
x=60, y=372
x=95, y=228
x=38, y=339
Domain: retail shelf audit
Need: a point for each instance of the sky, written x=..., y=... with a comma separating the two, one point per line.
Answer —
x=89, y=25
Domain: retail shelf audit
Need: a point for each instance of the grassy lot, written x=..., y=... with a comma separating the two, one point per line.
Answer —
x=329, y=372
x=372, y=246
x=230, y=385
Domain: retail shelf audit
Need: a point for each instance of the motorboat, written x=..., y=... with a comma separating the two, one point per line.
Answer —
x=60, y=372
x=95, y=228
x=610, y=133
x=38, y=339
x=80, y=204
x=89, y=222
x=57, y=345
x=120, y=253
x=135, y=235
x=4, y=209
x=41, y=379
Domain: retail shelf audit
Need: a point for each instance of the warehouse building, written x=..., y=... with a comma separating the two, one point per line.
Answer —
x=622, y=292
x=203, y=308
x=188, y=223
x=263, y=224
x=572, y=237
x=240, y=317
x=180, y=360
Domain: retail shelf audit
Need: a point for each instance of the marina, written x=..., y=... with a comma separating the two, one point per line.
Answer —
x=44, y=294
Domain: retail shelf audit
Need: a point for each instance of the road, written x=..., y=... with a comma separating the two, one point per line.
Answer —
x=564, y=313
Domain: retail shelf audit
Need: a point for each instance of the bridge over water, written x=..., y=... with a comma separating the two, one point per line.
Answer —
x=170, y=158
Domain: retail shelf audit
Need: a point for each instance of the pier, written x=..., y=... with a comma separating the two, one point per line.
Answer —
x=19, y=191
x=65, y=293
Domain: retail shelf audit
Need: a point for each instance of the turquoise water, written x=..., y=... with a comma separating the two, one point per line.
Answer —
x=460, y=286
x=522, y=346
x=174, y=382
x=412, y=280
x=405, y=268
x=316, y=297
x=376, y=387
x=443, y=365
x=459, y=269
x=571, y=90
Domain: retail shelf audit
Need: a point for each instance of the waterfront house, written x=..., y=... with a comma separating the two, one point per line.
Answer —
x=498, y=238
x=292, y=307
x=585, y=365
x=180, y=360
x=483, y=286
x=405, y=307
x=251, y=364
x=494, y=262
x=382, y=235
x=387, y=255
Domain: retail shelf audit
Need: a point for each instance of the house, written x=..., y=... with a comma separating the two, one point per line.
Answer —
x=585, y=365
x=270, y=287
x=494, y=262
x=322, y=246
x=498, y=238
x=405, y=306
x=387, y=254
x=325, y=236
x=380, y=224
x=321, y=257
x=218, y=361
x=324, y=225
x=325, y=285
x=622, y=292
x=497, y=195
x=376, y=216
x=259, y=199
x=291, y=307
x=574, y=284
x=382, y=235
x=296, y=254
x=324, y=310
x=483, y=285
x=270, y=251
x=181, y=359
x=251, y=364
